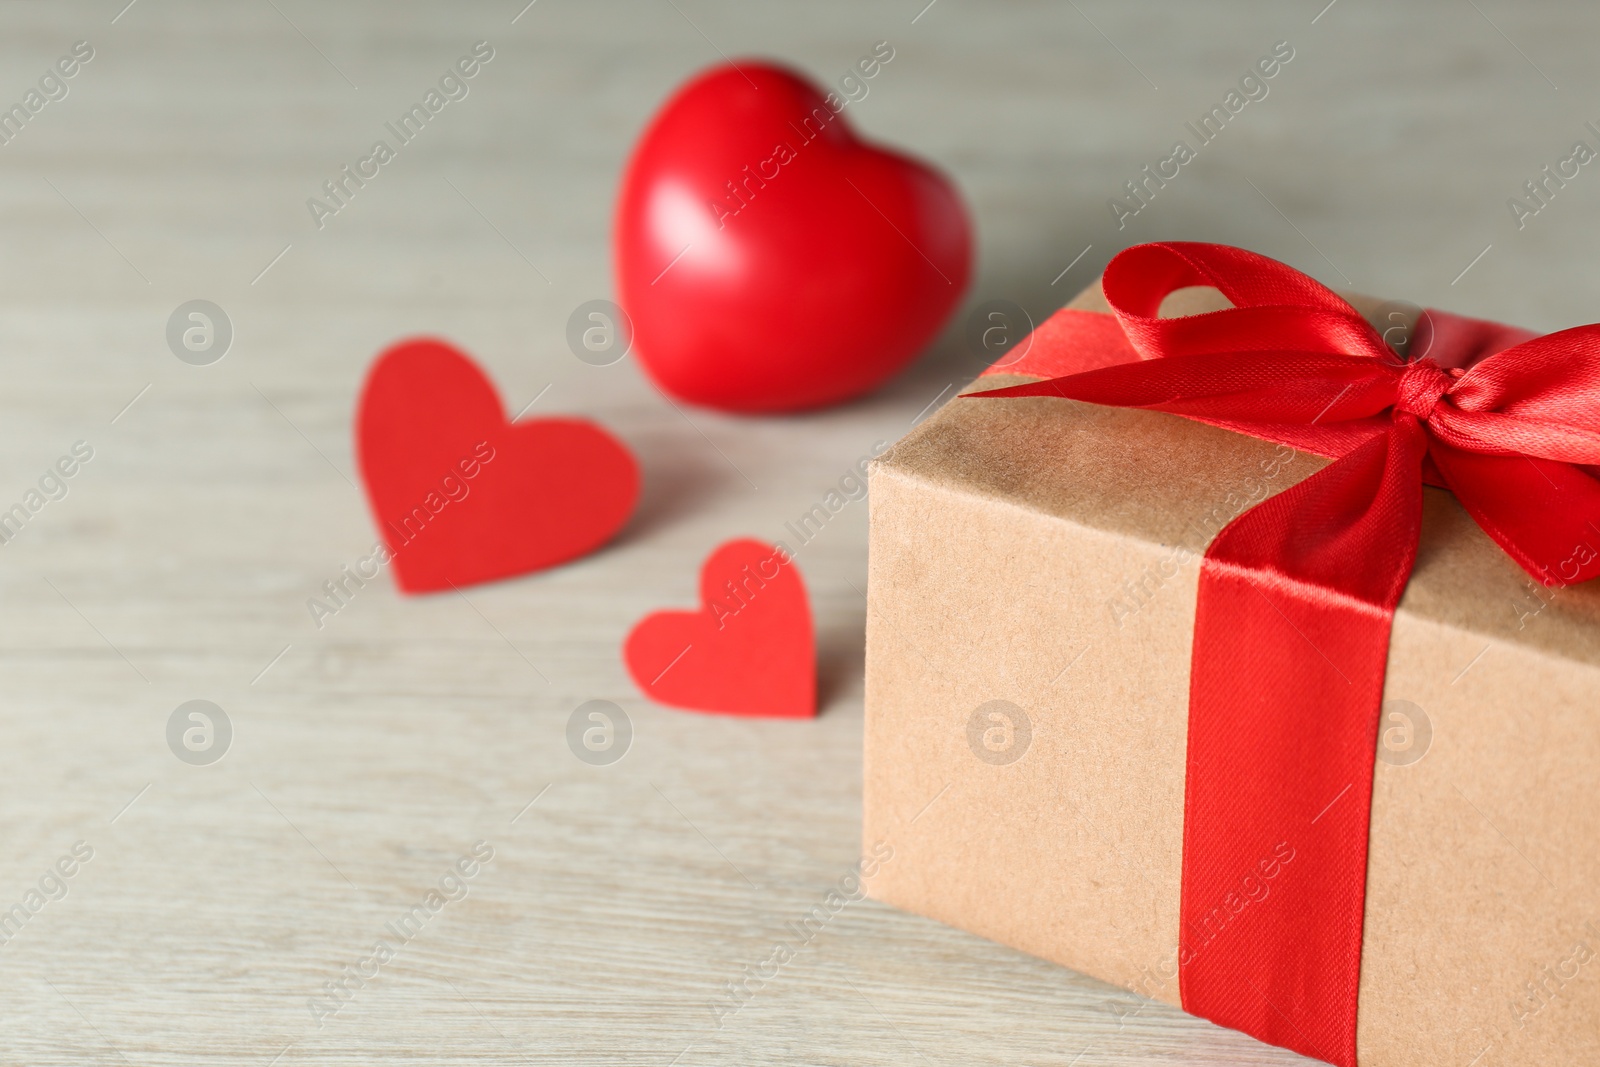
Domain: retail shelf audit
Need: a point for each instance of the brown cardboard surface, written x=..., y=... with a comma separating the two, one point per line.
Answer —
x=1045, y=552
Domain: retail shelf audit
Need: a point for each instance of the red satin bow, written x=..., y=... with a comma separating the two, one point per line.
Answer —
x=1298, y=594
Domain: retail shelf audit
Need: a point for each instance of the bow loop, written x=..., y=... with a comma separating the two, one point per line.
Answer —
x=1540, y=398
x=1275, y=307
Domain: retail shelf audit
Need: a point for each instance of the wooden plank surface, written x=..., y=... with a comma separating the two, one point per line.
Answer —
x=369, y=754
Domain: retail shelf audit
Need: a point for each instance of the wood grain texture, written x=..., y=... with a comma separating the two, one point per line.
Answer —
x=378, y=748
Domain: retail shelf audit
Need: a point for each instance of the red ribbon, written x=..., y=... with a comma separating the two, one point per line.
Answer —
x=1298, y=594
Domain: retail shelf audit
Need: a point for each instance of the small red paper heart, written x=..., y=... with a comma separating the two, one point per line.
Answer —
x=769, y=258
x=748, y=651
x=460, y=494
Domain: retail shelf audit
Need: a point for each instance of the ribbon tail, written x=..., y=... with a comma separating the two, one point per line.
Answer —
x=1543, y=514
x=1296, y=601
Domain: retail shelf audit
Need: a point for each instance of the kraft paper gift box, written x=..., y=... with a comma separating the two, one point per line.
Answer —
x=1032, y=589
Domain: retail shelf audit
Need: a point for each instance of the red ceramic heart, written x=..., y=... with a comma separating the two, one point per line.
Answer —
x=769, y=258
x=460, y=494
x=748, y=651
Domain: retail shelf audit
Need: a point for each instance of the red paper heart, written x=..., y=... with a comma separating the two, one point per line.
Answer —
x=769, y=259
x=748, y=651
x=460, y=494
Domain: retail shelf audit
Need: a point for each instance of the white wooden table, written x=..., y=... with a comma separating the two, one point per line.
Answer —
x=368, y=755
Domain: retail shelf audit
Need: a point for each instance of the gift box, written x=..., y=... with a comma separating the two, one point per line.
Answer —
x=1107, y=715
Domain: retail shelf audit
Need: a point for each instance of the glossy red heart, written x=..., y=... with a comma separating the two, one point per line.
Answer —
x=749, y=650
x=460, y=494
x=769, y=258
